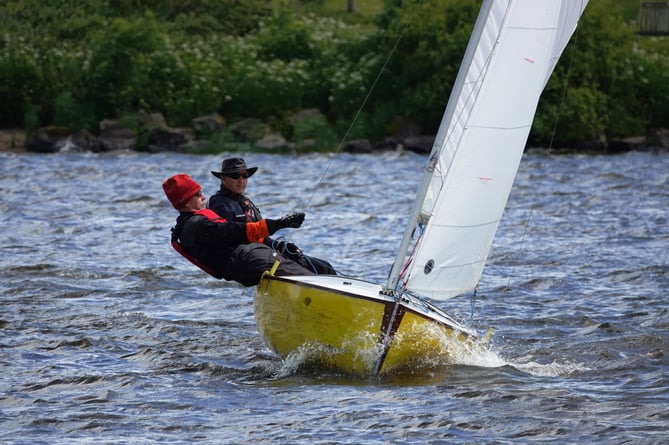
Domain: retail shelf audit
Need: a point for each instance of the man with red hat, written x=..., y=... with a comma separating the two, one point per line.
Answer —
x=225, y=249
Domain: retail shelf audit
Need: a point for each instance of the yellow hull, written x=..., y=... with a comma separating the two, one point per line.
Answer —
x=349, y=325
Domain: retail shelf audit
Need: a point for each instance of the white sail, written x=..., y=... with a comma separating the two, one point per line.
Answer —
x=511, y=55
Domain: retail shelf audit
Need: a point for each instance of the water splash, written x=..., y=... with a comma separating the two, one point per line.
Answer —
x=482, y=354
x=554, y=369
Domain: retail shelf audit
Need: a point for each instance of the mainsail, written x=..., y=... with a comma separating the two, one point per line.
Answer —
x=513, y=50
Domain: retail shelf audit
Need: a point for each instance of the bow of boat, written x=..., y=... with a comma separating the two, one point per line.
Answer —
x=352, y=325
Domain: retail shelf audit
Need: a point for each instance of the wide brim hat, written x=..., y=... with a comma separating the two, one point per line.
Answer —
x=234, y=165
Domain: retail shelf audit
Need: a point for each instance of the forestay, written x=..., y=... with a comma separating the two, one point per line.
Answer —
x=512, y=52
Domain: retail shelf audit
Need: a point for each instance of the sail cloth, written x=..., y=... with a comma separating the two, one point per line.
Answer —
x=513, y=50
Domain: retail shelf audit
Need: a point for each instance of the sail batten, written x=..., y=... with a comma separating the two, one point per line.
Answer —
x=512, y=52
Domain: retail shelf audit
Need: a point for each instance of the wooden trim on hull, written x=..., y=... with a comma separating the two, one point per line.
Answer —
x=392, y=318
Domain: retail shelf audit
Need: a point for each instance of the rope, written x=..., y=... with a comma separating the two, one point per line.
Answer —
x=282, y=246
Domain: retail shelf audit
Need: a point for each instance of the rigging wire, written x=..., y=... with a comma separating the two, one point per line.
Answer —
x=472, y=307
x=345, y=137
x=401, y=283
x=362, y=105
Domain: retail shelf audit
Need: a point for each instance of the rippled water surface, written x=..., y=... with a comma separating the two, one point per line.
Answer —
x=107, y=336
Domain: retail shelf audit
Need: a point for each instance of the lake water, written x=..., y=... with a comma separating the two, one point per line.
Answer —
x=108, y=336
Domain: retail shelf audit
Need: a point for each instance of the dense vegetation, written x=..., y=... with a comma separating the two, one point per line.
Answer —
x=72, y=63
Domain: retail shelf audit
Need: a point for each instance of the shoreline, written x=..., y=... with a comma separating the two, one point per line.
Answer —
x=15, y=141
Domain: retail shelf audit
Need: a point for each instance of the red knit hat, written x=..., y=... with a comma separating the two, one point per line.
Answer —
x=179, y=189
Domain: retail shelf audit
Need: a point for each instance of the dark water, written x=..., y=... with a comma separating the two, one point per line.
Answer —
x=108, y=336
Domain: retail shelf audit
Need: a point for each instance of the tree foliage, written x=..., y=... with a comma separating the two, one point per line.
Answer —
x=602, y=85
x=431, y=38
x=74, y=63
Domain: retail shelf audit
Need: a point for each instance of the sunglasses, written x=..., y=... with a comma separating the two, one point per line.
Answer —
x=238, y=175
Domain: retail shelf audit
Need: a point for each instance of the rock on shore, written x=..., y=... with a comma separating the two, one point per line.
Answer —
x=210, y=133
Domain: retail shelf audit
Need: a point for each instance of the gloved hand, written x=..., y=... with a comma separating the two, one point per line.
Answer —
x=288, y=249
x=283, y=247
x=294, y=221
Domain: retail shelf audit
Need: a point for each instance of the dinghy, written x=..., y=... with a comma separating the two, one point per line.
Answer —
x=363, y=328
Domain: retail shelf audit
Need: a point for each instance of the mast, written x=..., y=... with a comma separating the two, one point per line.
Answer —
x=438, y=145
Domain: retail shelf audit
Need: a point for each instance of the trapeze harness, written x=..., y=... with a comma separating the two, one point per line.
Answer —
x=256, y=231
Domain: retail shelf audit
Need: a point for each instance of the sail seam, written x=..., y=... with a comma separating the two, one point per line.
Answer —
x=468, y=226
x=456, y=266
x=519, y=127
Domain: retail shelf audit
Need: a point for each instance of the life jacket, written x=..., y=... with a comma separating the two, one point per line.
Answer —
x=251, y=212
x=255, y=232
x=210, y=215
x=234, y=205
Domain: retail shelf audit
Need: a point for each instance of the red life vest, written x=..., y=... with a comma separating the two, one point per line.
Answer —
x=211, y=216
x=255, y=233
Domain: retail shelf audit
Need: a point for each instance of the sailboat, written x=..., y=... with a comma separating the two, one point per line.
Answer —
x=363, y=328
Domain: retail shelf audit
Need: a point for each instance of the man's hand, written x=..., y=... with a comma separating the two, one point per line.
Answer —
x=294, y=220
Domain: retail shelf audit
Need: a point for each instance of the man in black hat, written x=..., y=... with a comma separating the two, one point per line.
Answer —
x=230, y=203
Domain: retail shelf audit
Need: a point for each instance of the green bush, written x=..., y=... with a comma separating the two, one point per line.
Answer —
x=431, y=38
x=576, y=117
x=68, y=113
x=285, y=37
x=108, y=78
x=23, y=87
x=606, y=80
x=317, y=130
x=261, y=59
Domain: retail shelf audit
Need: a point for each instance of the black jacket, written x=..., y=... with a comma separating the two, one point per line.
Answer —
x=212, y=240
x=234, y=207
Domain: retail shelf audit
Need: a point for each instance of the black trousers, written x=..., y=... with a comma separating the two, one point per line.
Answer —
x=248, y=262
x=316, y=265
